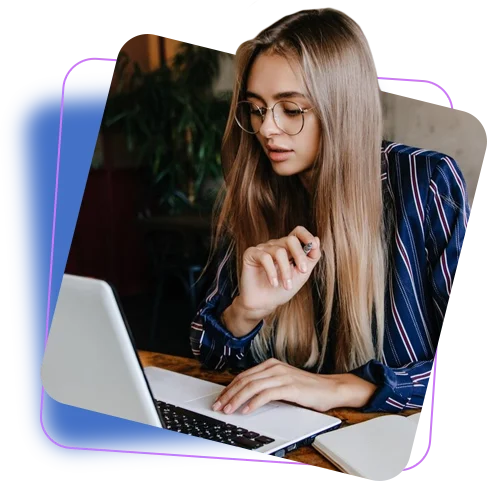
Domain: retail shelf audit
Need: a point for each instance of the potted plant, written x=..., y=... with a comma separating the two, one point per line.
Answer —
x=173, y=123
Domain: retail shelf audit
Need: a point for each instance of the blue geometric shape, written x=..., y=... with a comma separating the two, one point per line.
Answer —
x=28, y=151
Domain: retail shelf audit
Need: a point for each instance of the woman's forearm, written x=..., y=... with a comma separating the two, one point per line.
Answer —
x=238, y=320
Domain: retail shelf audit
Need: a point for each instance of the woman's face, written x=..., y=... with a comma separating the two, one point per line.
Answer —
x=271, y=78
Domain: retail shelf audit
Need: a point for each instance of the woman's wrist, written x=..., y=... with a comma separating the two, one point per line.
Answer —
x=347, y=391
x=355, y=391
x=238, y=320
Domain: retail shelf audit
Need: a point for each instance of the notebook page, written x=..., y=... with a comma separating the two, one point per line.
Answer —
x=381, y=448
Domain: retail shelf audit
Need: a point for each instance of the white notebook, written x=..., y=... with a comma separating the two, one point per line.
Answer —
x=377, y=449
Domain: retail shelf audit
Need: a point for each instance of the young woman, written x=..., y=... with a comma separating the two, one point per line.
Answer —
x=356, y=321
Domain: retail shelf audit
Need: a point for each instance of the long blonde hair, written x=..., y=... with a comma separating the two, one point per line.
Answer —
x=345, y=210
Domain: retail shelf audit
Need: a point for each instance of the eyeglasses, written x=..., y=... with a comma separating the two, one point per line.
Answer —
x=288, y=116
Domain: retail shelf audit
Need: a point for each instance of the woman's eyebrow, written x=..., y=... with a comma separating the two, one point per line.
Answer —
x=279, y=96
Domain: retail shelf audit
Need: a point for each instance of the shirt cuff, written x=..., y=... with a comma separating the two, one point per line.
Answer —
x=394, y=390
x=218, y=331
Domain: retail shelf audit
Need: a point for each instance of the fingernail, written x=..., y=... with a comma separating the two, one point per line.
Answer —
x=227, y=409
x=245, y=410
x=303, y=267
x=217, y=406
x=275, y=282
x=289, y=284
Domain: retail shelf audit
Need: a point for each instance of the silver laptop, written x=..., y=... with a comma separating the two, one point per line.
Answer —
x=90, y=362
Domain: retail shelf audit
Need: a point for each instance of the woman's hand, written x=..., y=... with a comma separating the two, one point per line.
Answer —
x=268, y=278
x=274, y=380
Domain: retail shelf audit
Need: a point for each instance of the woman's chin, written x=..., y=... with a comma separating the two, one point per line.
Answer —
x=284, y=168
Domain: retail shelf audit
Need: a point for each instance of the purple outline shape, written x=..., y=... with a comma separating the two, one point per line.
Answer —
x=442, y=89
x=429, y=445
x=49, y=306
x=76, y=448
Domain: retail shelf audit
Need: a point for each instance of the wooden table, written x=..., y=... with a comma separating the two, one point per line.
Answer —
x=192, y=367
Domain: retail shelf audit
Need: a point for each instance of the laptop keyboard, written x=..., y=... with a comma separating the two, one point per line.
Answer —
x=188, y=422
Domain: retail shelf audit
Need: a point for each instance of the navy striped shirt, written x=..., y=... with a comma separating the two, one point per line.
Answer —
x=428, y=196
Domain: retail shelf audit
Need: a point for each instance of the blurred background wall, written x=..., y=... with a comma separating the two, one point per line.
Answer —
x=429, y=126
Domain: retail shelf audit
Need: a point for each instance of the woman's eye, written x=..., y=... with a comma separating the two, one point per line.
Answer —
x=292, y=112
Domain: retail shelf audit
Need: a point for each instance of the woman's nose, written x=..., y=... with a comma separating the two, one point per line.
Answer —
x=269, y=125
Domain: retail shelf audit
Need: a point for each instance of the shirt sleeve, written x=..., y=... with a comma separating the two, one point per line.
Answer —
x=446, y=216
x=212, y=344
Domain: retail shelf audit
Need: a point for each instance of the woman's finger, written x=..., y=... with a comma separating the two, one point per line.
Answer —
x=303, y=234
x=281, y=256
x=315, y=252
x=297, y=252
x=297, y=255
x=283, y=392
x=251, y=389
x=261, y=368
x=267, y=263
x=257, y=256
x=233, y=389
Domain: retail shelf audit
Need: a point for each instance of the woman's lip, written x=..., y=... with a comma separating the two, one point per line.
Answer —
x=279, y=156
x=275, y=147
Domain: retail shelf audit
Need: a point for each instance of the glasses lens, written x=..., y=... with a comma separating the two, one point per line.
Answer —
x=248, y=117
x=289, y=117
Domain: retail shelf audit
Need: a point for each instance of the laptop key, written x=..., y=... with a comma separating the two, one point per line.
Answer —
x=195, y=424
x=264, y=440
x=246, y=442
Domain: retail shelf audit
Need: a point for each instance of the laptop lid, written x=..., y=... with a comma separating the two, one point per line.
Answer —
x=83, y=366
x=91, y=362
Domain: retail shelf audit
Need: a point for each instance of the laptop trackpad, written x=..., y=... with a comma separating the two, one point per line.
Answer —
x=178, y=388
x=206, y=402
x=192, y=393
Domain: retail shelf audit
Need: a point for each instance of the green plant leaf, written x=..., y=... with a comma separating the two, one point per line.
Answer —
x=155, y=109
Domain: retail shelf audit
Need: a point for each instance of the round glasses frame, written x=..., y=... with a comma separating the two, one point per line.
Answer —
x=263, y=113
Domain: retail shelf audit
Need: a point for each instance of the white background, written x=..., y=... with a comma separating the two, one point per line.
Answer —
x=44, y=36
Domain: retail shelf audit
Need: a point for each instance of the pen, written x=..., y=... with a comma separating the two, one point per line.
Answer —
x=306, y=249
